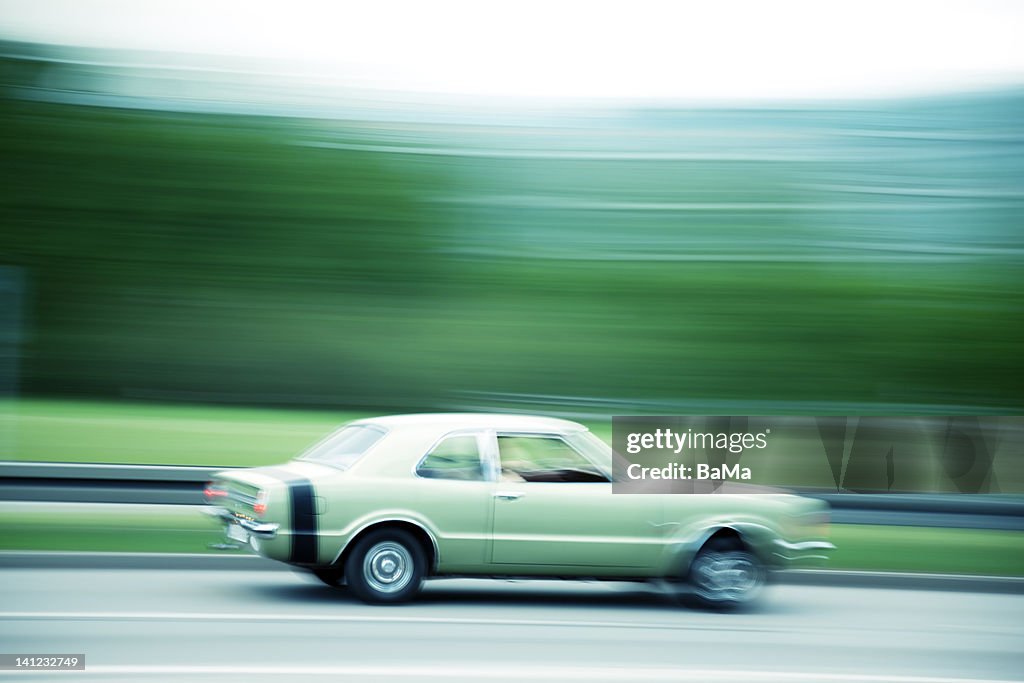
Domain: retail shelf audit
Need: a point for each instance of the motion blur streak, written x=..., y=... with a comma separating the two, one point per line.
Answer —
x=503, y=630
x=190, y=230
x=179, y=230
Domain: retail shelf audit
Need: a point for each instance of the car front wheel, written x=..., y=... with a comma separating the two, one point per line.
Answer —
x=726, y=575
x=386, y=566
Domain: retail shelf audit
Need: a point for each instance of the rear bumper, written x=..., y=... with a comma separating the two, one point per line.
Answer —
x=263, y=530
x=800, y=553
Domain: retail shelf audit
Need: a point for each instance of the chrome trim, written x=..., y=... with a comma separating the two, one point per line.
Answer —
x=388, y=567
x=801, y=552
x=660, y=525
x=726, y=576
x=265, y=530
x=804, y=546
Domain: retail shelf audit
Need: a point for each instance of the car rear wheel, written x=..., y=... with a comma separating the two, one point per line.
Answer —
x=726, y=575
x=386, y=566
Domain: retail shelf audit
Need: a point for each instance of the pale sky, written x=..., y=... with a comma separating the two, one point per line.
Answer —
x=745, y=49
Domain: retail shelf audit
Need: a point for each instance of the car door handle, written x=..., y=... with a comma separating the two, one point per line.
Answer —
x=508, y=495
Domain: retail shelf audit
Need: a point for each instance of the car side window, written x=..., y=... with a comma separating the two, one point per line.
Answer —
x=544, y=459
x=456, y=457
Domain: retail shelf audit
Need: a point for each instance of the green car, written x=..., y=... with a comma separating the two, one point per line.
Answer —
x=384, y=503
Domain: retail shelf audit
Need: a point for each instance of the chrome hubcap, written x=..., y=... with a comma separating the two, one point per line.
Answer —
x=388, y=567
x=726, y=576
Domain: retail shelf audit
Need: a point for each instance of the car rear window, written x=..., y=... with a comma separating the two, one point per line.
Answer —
x=344, y=447
x=457, y=457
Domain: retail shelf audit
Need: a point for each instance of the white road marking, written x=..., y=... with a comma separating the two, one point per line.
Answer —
x=393, y=619
x=518, y=671
x=351, y=618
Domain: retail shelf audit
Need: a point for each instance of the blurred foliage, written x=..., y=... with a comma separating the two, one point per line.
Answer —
x=197, y=253
x=218, y=257
x=146, y=433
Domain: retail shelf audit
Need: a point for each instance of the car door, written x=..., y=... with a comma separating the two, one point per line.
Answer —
x=554, y=507
x=452, y=489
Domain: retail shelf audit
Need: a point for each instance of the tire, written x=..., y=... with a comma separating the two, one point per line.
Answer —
x=386, y=566
x=725, y=575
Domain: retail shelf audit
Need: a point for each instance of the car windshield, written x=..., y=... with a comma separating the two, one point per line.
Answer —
x=593, y=448
x=344, y=447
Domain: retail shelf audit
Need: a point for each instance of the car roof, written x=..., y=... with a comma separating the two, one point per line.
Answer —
x=452, y=421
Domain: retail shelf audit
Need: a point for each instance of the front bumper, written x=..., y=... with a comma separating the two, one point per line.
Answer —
x=802, y=552
x=263, y=530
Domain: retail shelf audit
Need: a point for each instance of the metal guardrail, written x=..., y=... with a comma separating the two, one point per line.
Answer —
x=182, y=485
x=96, y=483
x=950, y=510
x=72, y=470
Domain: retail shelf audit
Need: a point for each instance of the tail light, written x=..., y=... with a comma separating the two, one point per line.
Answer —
x=260, y=506
x=214, y=492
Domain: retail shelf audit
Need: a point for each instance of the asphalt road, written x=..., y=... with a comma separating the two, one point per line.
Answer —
x=195, y=625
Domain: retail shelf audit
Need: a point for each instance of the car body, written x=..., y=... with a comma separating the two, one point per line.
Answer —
x=383, y=503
